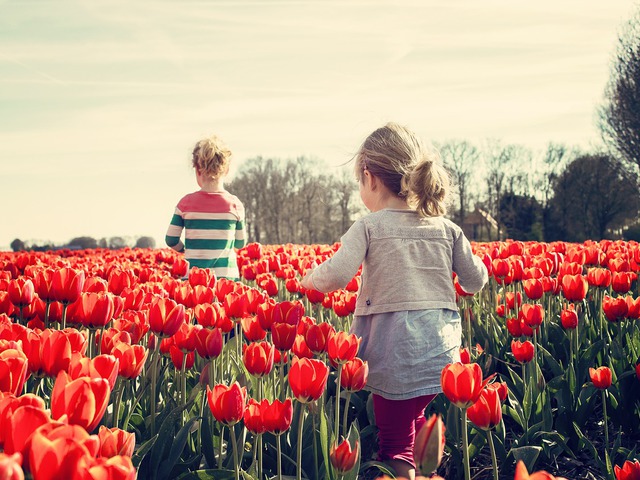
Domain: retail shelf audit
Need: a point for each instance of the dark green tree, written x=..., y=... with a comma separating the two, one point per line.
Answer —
x=82, y=243
x=17, y=245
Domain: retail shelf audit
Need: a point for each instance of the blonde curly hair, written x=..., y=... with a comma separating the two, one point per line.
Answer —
x=211, y=157
x=397, y=156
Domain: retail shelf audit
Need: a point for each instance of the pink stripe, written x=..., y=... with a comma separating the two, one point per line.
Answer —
x=201, y=202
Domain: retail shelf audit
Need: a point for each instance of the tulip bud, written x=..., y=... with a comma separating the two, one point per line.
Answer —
x=429, y=444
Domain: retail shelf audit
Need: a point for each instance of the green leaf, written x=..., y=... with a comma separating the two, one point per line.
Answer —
x=207, y=441
x=142, y=450
x=528, y=454
x=212, y=474
x=177, y=447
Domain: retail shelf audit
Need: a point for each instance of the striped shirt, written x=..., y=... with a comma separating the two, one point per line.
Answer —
x=214, y=227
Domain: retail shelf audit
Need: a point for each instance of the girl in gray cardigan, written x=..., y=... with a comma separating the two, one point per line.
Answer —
x=406, y=311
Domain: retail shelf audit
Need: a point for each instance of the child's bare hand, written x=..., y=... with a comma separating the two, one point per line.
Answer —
x=306, y=280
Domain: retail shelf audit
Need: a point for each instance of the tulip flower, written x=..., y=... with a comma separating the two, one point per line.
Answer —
x=533, y=288
x=343, y=457
x=601, y=377
x=630, y=470
x=429, y=444
x=227, y=404
x=9, y=403
x=209, y=342
x=181, y=360
x=258, y=358
x=166, y=317
x=53, y=459
x=486, y=412
x=21, y=291
x=621, y=281
x=83, y=400
x=523, y=474
x=119, y=467
x=14, y=369
x=342, y=347
x=574, y=287
x=11, y=466
x=251, y=329
x=209, y=315
x=354, y=375
x=533, y=315
x=462, y=384
x=55, y=352
x=114, y=441
x=316, y=337
x=615, y=308
x=522, y=351
x=569, y=318
x=236, y=305
x=131, y=359
x=66, y=284
x=300, y=348
x=96, y=310
x=102, y=366
x=308, y=379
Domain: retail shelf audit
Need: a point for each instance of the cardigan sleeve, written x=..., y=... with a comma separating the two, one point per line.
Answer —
x=472, y=273
x=337, y=271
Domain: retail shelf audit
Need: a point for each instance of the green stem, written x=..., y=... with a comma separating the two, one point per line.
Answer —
x=465, y=445
x=300, y=425
x=315, y=446
x=46, y=314
x=118, y=400
x=337, y=419
x=234, y=443
x=345, y=414
x=494, y=460
x=279, y=448
x=220, y=450
x=154, y=386
x=606, y=425
x=63, y=323
x=281, y=396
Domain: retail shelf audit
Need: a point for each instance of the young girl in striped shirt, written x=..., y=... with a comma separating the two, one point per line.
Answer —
x=212, y=218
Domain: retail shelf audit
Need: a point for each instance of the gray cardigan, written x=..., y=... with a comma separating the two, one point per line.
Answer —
x=407, y=263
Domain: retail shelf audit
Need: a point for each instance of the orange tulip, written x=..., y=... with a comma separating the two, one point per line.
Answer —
x=114, y=441
x=84, y=400
x=462, y=383
x=119, y=467
x=55, y=459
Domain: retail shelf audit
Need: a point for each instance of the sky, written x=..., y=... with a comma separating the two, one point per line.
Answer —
x=101, y=102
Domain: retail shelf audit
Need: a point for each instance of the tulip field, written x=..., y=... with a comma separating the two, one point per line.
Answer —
x=116, y=365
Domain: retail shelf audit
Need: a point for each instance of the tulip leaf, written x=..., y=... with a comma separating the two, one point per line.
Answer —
x=556, y=369
x=142, y=450
x=177, y=447
x=212, y=474
x=528, y=454
x=325, y=441
x=207, y=441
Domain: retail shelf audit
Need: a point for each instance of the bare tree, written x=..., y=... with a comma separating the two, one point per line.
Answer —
x=619, y=118
x=461, y=158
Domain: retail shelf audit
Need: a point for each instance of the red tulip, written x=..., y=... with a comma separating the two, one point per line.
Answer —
x=209, y=342
x=621, y=281
x=533, y=288
x=119, y=280
x=629, y=470
x=429, y=444
x=465, y=355
x=236, y=305
x=486, y=413
x=9, y=403
x=522, y=351
x=253, y=417
x=462, y=383
x=283, y=335
x=601, y=377
x=227, y=404
x=55, y=352
x=258, y=358
x=599, y=277
x=314, y=296
x=251, y=328
x=119, y=467
x=574, y=287
x=131, y=359
x=166, y=317
x=109, y=338
x=11, y=467
x=354, y=375
x=114, y=441
x=101, y=366
x=569, y=318
x=66, y=284
x=317, y=336
x=21, y=291
x=202, y=276
x=181, y=359
x=14, y=369
x=55, y=459
x=275, y=417
x=83, y=400
x=342, y=347
x=96, y=309
x=343, y=457
x=633, y=307
x=308, y=379
x=209, y=315
x=533, y=315
x=288, y=312
x=615, y=308
x=23, y=421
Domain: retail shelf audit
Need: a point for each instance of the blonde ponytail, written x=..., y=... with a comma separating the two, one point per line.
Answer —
x=428, y=186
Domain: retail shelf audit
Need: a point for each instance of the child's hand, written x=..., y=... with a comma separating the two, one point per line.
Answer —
x=306, y=280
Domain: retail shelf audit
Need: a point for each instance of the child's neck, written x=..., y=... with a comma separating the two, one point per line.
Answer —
x=214, y=185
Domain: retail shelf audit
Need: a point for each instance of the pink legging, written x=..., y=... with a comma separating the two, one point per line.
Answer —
x=398, y=421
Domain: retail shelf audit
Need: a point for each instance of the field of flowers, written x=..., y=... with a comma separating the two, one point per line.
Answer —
x=113, y=366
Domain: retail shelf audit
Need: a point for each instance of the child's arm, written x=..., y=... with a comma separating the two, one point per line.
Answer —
x=337, y=271
x=241, y=231
x=472, y=273
x=172, y=238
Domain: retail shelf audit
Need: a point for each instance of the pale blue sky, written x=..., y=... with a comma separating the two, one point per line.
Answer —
x=101, y=102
